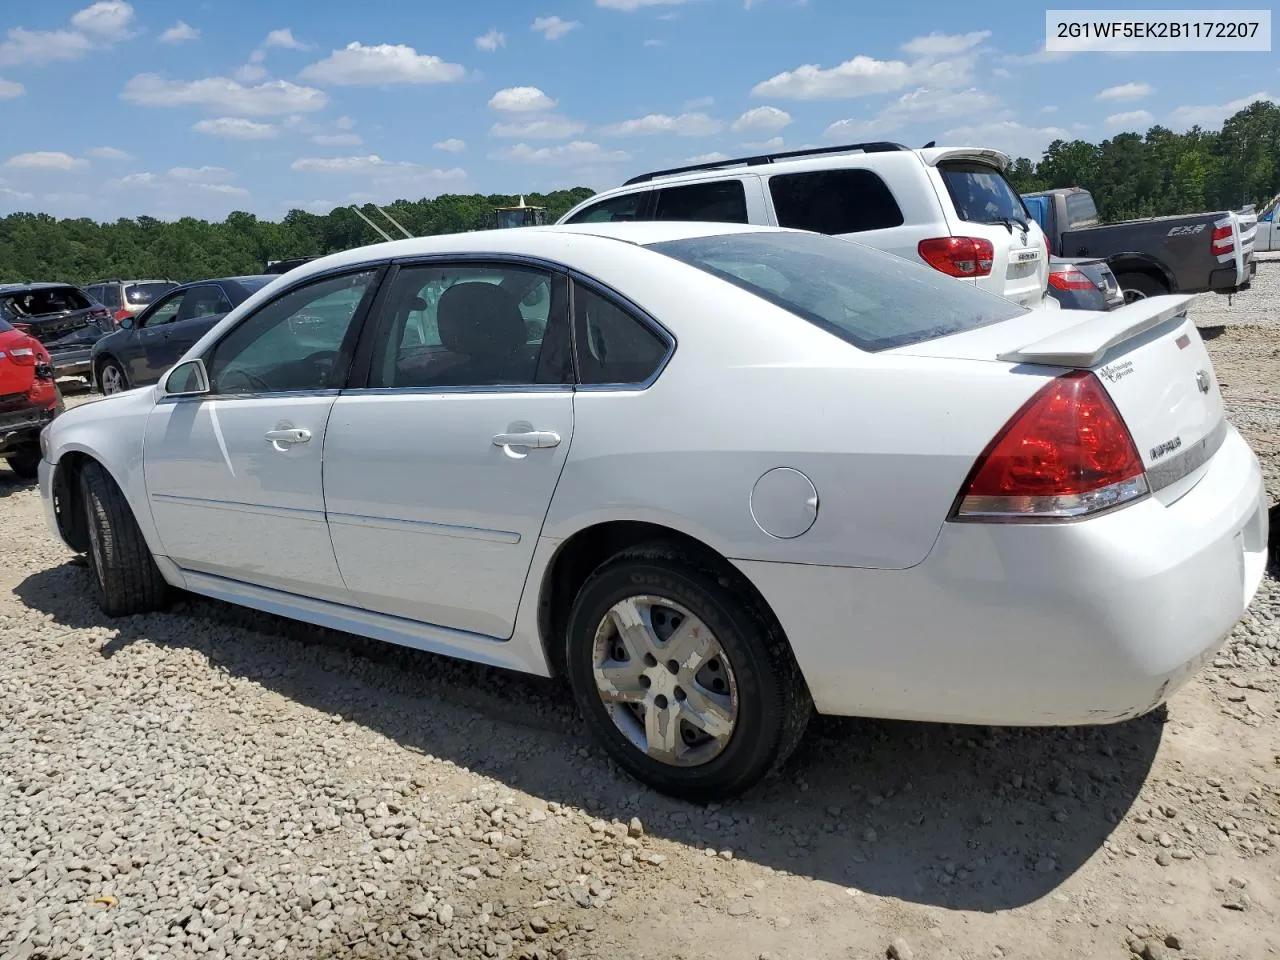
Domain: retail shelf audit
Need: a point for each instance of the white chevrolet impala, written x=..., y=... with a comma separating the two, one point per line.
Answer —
x=717, y=476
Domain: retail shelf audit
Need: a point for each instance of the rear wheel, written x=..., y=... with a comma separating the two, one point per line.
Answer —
x=111, y=377
x=682, y=676
x=25, y=463
x=1139, y=286
x=124, y=571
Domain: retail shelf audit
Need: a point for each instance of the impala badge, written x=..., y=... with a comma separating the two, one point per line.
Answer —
x=1202, y=380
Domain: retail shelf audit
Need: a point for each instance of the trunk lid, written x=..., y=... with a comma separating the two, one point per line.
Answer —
x=1148, y=355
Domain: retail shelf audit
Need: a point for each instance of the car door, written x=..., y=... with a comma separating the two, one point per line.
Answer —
x=148, y=345
x=234, y=475
x=440, y=468
x=202, y=307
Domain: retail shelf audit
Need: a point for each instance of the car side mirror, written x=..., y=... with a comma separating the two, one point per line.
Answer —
x=126, y=323
x=187, y=379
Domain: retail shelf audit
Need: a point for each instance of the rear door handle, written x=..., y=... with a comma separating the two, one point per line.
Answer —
x=537, y=439
x=280, y=438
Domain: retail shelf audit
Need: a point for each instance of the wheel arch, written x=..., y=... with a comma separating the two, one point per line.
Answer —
x=1134, y=261
x=586, y=549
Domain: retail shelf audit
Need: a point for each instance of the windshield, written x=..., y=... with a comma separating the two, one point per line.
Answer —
x=870, y=299
x=138, y=294
x=981, y=194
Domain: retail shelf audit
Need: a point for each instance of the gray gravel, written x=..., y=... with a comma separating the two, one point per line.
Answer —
x=215, y=783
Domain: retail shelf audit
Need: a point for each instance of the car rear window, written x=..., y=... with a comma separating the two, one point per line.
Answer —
x=44, y=301
x=868, y=298
x=834, y=201
x=139, y=294
x=1081, y=211
x=980, y=193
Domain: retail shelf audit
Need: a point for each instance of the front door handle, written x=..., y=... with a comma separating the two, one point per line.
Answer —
x=286, y=437
x=537, y=439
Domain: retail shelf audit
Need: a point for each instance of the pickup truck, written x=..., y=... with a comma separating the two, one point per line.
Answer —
x=1194, y=253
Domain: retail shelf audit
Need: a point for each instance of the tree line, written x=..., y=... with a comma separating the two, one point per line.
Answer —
x=1130, y=175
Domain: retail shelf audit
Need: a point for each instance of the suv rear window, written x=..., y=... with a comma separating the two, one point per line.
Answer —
x=140, y=294
x=720, y=201
x=1081, y=211
x=870, y=299
x=44, y=301
x=980, y=193
x=834, y=201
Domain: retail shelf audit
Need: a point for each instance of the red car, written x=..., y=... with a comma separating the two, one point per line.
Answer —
x=29, y=399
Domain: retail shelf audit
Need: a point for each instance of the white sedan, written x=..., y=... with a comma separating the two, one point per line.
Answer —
x=718, y=476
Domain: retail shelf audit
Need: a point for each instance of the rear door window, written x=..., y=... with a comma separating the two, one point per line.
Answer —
x=980, y=193
x=720, y=201
x=870, y=299
x=629, y=206
x=834, y=201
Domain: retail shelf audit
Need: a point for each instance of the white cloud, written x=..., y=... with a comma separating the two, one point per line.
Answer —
x=223, y=188
x=550, y=127
x=864, y=75
x=698, y=103
x=453, y=145
x=360, y=65
x=1008, y=136
x=944, y=44
x=236, y=128
x=773, y=143
x=224, y=95
x=924, y=105
x=337, y=139
x=344, y=123
x=578, y=151
x=685, y=125
x=43, y=46
x=250, y=73
x=491, y=41
x=15, y=195
x=714, y=157
x=284, y=39
x=180, y=32
x=45, y=160
x=108, y=19
x=1002, y=73
x=521, y=100
x=108, y=153
x=9, y=89
x=1049, y=108
x=630, y=6
x=1126, y=91
x=373, y=165
x=1040, y=56
x=201, y=174
x=1212, y=115
x=1131, y=118
x=553, y=28
x=762, y=120
x=136, y=180
x=852, y=130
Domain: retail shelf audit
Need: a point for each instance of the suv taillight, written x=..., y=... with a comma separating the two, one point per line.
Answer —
x=1069, y=279
x=958, y=256
x=120, y=315
x=1221, y=241
x=1067, y=453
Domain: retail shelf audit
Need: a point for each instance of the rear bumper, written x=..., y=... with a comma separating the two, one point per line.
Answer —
x=72, y=363
x=1034, y=624
x=21, y=428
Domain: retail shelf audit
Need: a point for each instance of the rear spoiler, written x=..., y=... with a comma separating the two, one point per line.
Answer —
x=1084, y=344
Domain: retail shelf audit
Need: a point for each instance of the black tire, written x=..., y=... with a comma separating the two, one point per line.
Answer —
x=100, y=380
x=25, y=463
x=124, y=571
x=774, y=703
x=1138, y=286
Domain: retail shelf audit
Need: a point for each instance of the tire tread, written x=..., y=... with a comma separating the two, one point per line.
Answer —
x=131, y=582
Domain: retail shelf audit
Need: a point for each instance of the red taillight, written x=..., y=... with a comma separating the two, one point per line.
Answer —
x=1221, y=241
x=1070, y=279
x=26, y=353
x=120, y=315
x=958, y=256
x=1067, y=453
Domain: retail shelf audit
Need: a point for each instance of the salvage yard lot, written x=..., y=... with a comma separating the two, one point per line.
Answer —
x=215, y=782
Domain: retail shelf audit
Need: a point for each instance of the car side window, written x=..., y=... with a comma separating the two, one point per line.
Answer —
x=834, y=201
x=613, y=346
x=291, y=343
x=95, y=293
x=472, y=325
x=205, y=301
x=166, y=311
x=720, y=201
x=111, y=296
x=629, y=206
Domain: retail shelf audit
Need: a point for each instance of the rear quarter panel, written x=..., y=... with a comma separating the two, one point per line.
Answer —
x=1179, y=244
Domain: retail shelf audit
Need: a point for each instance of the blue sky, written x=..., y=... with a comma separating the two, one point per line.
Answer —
x=200, y=107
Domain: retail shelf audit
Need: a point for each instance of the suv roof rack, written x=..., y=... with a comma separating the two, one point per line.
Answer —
x=874, y=146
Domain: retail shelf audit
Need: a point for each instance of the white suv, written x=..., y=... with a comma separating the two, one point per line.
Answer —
x=949, y=207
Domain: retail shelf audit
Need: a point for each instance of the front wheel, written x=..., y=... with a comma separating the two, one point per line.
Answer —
x=25, y=463
x=682, y=675
x=124, y=571
x=111, y=378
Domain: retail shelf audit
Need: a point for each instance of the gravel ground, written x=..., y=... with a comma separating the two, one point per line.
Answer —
x=216, y=783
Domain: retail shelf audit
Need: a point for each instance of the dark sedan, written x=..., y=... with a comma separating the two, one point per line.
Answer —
x=1083, y=283
x=146, y=346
